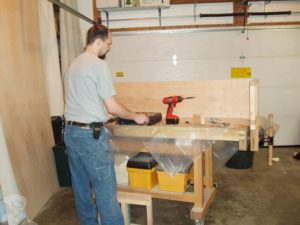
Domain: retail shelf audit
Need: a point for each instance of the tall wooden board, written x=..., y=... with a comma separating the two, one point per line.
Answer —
x=23, y=103
x=213, y=98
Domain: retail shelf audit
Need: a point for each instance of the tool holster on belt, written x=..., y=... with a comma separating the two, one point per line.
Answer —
x=97, y=129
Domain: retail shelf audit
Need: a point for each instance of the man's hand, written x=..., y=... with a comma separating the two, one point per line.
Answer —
x=141, y=119
x=116, y=109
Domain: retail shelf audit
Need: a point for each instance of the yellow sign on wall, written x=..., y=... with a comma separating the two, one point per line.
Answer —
x=119, y=74
x=241, y=72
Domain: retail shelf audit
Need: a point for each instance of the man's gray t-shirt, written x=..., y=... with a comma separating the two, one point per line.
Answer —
x=87, y=83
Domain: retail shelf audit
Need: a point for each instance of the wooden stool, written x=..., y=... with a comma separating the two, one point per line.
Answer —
x=127, y=198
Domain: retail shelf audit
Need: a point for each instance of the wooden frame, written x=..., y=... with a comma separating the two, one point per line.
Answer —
x=213, y=99
x=127, y=198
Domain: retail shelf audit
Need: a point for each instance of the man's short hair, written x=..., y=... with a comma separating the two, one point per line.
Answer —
x=95, y=32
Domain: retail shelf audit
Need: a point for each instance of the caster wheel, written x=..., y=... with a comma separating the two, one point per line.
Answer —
x=199, y=222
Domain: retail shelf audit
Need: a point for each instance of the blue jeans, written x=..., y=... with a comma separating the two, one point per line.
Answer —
x=92, y=167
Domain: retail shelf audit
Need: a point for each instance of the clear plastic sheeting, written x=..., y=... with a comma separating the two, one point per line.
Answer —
x=265, y=124
x=222, y=152
x=3, y=216
x=175, y=155
x=121, y=160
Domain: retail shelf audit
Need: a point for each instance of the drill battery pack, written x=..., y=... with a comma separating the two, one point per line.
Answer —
x=154, y=117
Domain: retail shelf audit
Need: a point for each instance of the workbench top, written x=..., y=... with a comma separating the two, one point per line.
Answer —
x=236, y=130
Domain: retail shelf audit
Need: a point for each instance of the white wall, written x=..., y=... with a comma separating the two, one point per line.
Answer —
x=273, y=55
x=85, y=7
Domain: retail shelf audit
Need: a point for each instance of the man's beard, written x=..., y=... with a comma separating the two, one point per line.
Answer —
x=103, y=56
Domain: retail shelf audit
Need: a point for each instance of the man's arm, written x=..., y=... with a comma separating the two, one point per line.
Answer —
x=116, y=109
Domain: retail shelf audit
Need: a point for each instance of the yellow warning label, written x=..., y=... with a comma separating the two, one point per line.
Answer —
x=119, y=74
x=241, y=72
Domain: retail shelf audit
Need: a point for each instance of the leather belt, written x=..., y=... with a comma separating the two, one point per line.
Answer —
x=82, y=125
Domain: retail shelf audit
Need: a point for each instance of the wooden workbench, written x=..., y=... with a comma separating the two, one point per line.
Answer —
x=234, y=101
x=204, y=190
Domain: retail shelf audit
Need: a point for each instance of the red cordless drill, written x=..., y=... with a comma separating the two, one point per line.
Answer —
x=172, y=101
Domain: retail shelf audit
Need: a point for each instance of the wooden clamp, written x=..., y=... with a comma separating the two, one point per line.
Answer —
x=270, y=139
x=254, y=128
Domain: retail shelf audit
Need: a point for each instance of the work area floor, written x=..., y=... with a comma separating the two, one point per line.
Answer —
x=260, y=195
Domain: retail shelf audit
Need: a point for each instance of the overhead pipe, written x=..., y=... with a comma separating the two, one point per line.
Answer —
x=246, y=14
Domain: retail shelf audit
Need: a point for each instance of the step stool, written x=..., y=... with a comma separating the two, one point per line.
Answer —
x=128, y=198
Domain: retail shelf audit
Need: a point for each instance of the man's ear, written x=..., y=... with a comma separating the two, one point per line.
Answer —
x=99, y=42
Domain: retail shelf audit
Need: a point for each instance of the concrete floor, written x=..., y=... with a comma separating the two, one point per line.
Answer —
x=261, y=195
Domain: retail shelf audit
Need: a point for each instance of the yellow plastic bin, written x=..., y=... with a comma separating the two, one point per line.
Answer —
x=142, y=178
x=142, y=171
x=176, y=183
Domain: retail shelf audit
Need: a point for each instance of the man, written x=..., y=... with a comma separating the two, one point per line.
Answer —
x=89, y=97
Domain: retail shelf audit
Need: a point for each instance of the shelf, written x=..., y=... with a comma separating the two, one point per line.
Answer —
x=159, y=17
x=156, y=193
x=124, y=9
x=127, y=9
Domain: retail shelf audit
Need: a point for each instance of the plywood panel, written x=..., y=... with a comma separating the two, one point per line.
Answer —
x=23, y=103
x=213, y=98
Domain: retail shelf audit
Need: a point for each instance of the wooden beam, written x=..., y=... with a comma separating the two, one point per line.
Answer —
x=239, y=7
x=209, y=168
x=198, y=182
x=199, y=213
x=203, y=26
x=170, y=27
x=290, y=23
x=96, y=12
x=254, y=129
x=155, y=193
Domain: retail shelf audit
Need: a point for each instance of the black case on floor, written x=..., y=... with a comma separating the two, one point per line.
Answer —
x=241, y=160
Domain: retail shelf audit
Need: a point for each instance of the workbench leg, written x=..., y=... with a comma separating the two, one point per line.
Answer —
x=125, y=209
x=270, y=155
x=198, y=181
x=149, y=214
x=198, y=188
x=209, y=167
